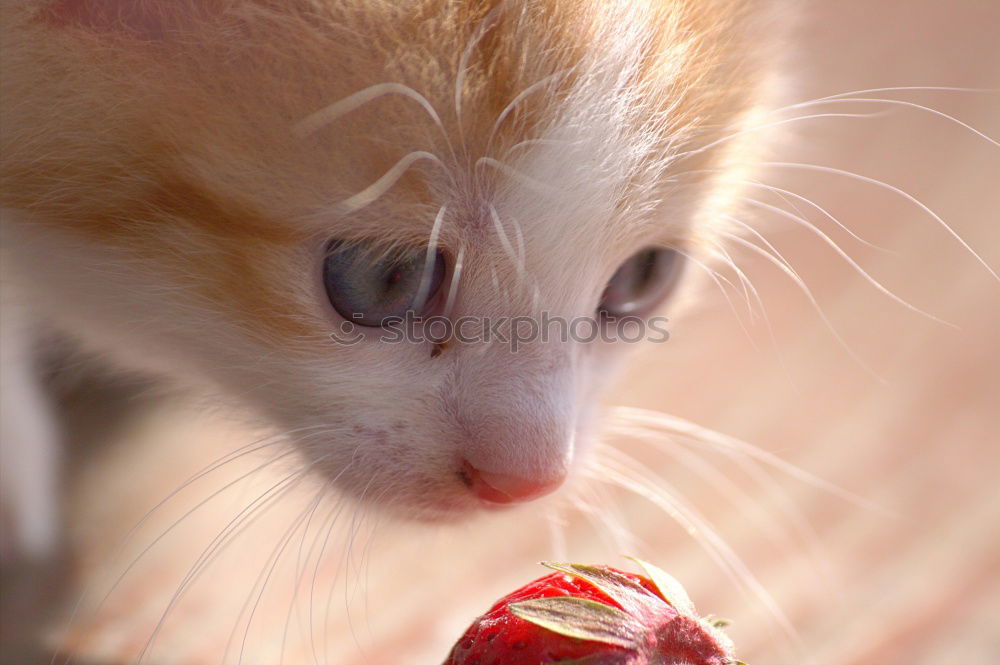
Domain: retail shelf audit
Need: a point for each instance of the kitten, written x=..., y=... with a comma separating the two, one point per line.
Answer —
x=210, y=190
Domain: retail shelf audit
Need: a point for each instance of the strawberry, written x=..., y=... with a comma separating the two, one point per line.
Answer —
x=594, y=615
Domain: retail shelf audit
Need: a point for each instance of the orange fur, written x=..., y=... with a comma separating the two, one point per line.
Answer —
x=122, y=106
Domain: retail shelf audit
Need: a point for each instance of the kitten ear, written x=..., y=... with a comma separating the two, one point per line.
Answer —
x=147, y=20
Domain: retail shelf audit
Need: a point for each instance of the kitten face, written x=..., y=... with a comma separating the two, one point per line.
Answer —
x=180, y=174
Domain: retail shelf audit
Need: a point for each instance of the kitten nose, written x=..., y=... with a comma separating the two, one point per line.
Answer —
x=495, y=487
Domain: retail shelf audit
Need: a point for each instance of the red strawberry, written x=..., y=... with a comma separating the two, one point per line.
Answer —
x=594, y=615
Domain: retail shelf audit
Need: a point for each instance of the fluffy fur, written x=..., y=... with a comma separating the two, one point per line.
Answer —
x=172, y=171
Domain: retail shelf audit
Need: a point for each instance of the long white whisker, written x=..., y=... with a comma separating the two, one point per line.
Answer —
x=767, y=125
x=300, y=571
x=131, y=565
x=896, y=190
x=718, y=279
x=244, y=518
x=745, y=283
x=252, y=447
x=622, y=470
x=723, y=442
x=790, y=271
x=913, y=105
x=676, y=446
x=373, y=191
x=909, y=88
x=315, y=573
x=527, y=180
x=456, y=276
x=366, y=559
x=841, y=98
x=813, y=204
x=312, y=586
x=847, y=257
x=430, y=258
x=764, y=240
x=334, y=514
x=809, y=296
x=268, y=498
x=738, y=497
x=519, y=234
x=518, y=261
x=610, y=529
x=783, y=193
x=328, y=114
x=263, y=579
x=356, y=520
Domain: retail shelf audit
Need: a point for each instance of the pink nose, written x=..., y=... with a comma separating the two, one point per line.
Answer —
x=494, y=487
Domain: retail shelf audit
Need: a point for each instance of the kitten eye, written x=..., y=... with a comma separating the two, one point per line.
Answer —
x=368, y=288
x=641, y=283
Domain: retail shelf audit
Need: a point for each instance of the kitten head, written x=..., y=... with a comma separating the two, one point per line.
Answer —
x=256, y=192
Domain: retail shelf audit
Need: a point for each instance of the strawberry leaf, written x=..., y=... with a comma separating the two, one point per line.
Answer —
x=581, y=618
x=669, y=587
x=632, y=596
